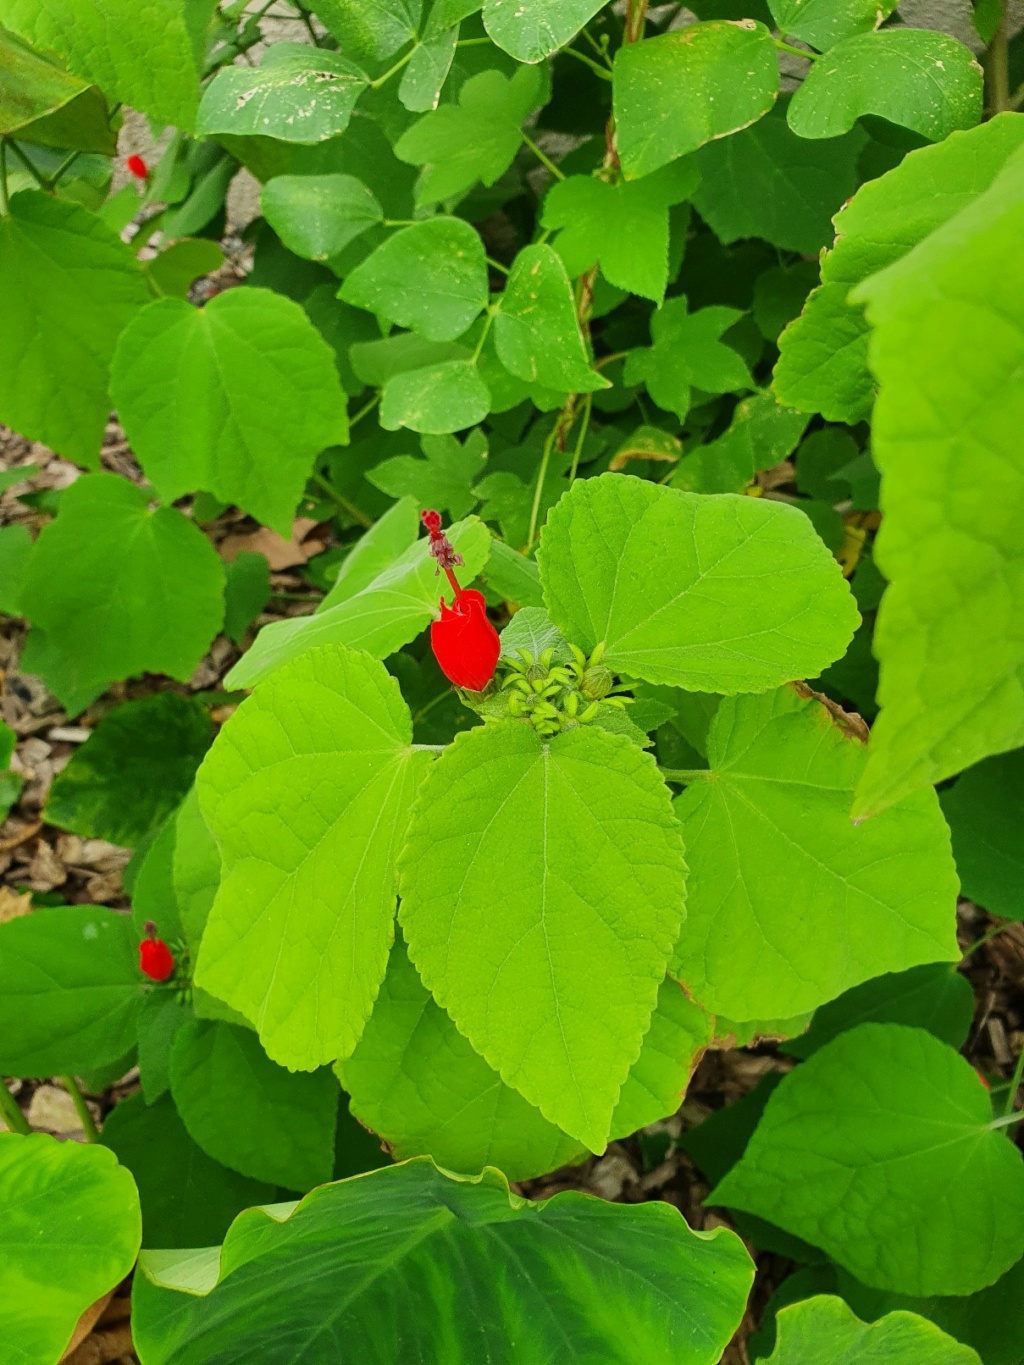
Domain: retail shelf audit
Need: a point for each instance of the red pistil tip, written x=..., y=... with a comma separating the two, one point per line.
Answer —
x=138, y=167
x=441, y=547
x=155, y=958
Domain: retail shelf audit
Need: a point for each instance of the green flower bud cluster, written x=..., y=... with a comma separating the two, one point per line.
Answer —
x=558, y=696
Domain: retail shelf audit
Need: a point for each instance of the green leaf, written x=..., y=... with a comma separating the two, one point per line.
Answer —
x=985, y=811
x=760, y=435
x=132, y=771
x=823, y=23
x=236, y=398
x=119, y=589
x=178, y=266
x=431, y=277
x=423, y=79
x=246, y=593
x=163, y=1014
x=823, y=364
x=443, y=480
x=624, y=227
x=372, y=29
x=296, y=94
x=875, y=1122
x=150, y=64
x=675, y=92
x=557, y=992
x=187, y=1199
x=767, y=182
x=316, y=216
x=790, y=903
x=70, y=990
x=687, y=353
x=934, y=996
x=724, y=594
x=531, y=629
x=71, y=285
x=780, y=294
x=514, y=576
x=537, y=332
x=417, y=1082
x=43, y=104
x=249, y=1114
x=628, y=1280
x=436, y=401
x=893, y=75
x=476, y=139
x=531, y=30
x=195, y=870
x=72, y=1230
x=952, y=566
x=824, y=1328
x=298, y=937
x=376, y=550
x=15, y=550
x=381, y=617
x=657, y=1081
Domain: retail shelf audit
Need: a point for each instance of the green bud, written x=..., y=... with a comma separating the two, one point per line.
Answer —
x=598, y=682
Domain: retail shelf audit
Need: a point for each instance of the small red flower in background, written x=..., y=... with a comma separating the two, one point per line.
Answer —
x=155, y=958
x=464, y=642
x=138, y=167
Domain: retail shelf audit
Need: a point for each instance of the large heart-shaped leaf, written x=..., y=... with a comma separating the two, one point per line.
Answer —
x=355, y=1267
x=715, y=594
x=791, y=903
x=540, y=886
x=533, y=29
x=854, y=1154
x=824, y=1328
x=307, y=791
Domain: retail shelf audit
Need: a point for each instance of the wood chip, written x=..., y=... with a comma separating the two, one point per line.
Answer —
x=12, y=906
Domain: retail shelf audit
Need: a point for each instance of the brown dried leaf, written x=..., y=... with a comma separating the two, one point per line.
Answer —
x=280, y=553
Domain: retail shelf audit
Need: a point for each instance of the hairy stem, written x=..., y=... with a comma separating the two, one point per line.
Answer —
x=82, y=1109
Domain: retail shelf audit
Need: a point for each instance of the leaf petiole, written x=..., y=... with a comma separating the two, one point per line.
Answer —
x=542, y=157
x=796, y=51
x=82, y=1109
x=393, y=70
x=684, y=774
x=10, y=1109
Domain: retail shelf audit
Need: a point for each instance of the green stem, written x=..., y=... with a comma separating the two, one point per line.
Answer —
x=997, y=68
x=10, y=1111
x=496, y=265
x=542, y=474
x=63, y=168
x=78, y=1100
x=610, y=359
x=339, y=500
x=483, y=335
x=684, y=774
x=1018, y=1072
x=402, y=222
x=602, y=71
x=542, y=157
x=636, y=16
x=473, y=42
x=364, y=411
x=393, y=70
x=434, y=701
x=796, y=51
x=588, y=404
x=1007, y=1120
x=601, y=51
x=4, y=201
x=979, y=942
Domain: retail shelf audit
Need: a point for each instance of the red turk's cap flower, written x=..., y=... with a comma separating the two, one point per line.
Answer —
x=464, y=642
x=155, y=958
x=138, y=167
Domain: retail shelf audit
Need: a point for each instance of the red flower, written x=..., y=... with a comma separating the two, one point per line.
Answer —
x=155, y=958
x=464, y=642
x=138, y=167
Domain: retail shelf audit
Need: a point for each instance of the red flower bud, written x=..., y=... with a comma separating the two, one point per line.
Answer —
x=465, y=643
x=138, y=167
x=155, y=958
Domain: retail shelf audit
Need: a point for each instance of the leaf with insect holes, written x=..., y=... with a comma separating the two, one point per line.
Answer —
x=537, y=331
x=557, y=992
x=431, y=277
x=723, y=594
x=675, y=92
x=298, y=936
x=854, y=1154
x=297, y=94
x=790, y=903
